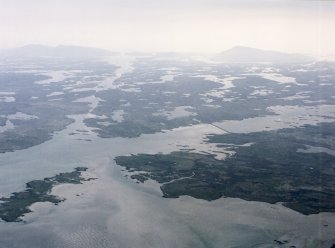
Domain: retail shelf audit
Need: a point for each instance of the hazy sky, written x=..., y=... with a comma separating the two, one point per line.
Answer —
x=304, y=26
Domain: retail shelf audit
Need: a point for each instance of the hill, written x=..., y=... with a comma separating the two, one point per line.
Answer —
x=57, y=51
x=240, y=54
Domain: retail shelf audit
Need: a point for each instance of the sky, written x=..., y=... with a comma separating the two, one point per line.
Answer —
x=299, y=26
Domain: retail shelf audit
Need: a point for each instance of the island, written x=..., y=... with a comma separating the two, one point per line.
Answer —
x=17, y=205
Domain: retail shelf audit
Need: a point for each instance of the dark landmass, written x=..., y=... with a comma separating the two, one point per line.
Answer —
x=270, y=170
x=50, y=114
x=15, y=206
x=143, y=100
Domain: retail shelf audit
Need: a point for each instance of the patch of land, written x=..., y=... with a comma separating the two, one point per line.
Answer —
x=14, y=207
x=270, y=169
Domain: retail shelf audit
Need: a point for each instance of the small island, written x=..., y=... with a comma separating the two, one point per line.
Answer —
x=15, y=206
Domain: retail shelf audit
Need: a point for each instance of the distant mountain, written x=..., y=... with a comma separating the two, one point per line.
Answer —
x=240, y=54
x=57, y=51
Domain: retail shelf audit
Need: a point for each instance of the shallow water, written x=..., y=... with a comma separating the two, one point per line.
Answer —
x=284, y=117
x=317, y=149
